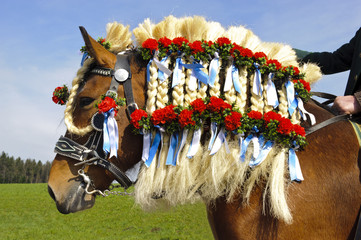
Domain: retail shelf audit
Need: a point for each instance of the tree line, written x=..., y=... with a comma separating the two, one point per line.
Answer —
x=16, y=170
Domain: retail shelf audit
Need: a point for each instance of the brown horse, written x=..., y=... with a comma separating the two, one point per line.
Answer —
x=324, y=206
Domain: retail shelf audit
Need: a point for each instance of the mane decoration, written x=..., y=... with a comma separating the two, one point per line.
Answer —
x=222, y=113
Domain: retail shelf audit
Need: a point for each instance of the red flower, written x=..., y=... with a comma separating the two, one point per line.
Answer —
x=259, y=55
x=268, y=116
x=150, y=44
x=163, y=115
x=254, y=115
x=165, y=42
x=179, y=41
x=209, y=43
x=223, y=41
x=196, y=47
x=102, y=40
x=136, y=116
x=233, y=121
x=198, y=105
x=285, y=126
x=245, y=52
x=236, y=48
x=60, y=95
x=106, y=104
x=275, y=62
x=185, y=118
x=299, y=130
x=217, y=105
x=306, y=85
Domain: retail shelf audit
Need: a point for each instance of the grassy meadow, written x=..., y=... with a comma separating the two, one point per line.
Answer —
x=28, y=212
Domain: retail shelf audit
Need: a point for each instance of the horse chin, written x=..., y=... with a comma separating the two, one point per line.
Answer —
x=75, y=200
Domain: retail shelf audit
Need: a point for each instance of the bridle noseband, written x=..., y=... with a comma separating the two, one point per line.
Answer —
x=91, y=153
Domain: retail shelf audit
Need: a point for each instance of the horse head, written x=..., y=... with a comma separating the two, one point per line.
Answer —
x=69, y=184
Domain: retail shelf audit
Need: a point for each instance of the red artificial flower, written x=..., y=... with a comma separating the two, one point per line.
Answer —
x=259, y=55
x=179, y=41
x=60, y=95
x=102, y=40
x=285, y=126
x=185, y=118
x=106, y=104
x=223, y=41
x=165, y=42
x=217, y=105
x=299, y=130
x=56, y=100
x=245, y=52
x=196, y=47
x=198, y=105
x=150, y=44
x=306, y=85
x=137, y=116
x=297, y=71
x=163, y=115
x=254, y=115
x=236, y=48
x=268, y=116
x=233, y=121
x=275, y=62
x=209, y=43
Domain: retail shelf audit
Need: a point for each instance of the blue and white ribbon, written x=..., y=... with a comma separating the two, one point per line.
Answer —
x=147, y=137
x=228, y=81
x=294, y=166
x=213, y=69
x=244, y=147
x=163, y=71
x=154, y=148
x=291, y=100
x=84, y=57
x=148, y=69
x=197, y=73
x=173, y=143
x=195, y=143
x=303, y=112
x=257, y=143
x=257, y=81
x=213, y=135
x=177, y=72
x=262, y=154
x=220, y=139
x=110, y=130
x=181, y=144
x=272, y=98
x=235, y=77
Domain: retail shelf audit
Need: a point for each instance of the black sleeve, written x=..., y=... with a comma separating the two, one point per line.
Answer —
x=334, y=62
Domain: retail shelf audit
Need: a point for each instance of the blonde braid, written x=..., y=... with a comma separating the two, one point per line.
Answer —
x=256, y=101
x=215, y=90
x=296, y=117
x=241, y=98
x=68, y=113
x=152, y=88
x=283, y=106
x=162, y=96
x=190, y=96
x=202, y=91
x=177, y=93
x=230, y=96
x=267, y=107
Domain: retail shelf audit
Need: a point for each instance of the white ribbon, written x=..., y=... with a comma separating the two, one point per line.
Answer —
x=213, y=134
x=133, y=172
x=304, y=112
x=213, y=69
x=182, y=143
x=257, y=84
x=177, y=72
x=147, y=136
x=294, y=166
x=291, y=100
x=228, y=81
x=221, y=138
x=195, y=143
x=272, y=98
x=110, y=136
x=192, y=83
x=262, y=154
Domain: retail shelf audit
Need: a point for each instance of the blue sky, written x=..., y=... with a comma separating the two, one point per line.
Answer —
x=40, y=42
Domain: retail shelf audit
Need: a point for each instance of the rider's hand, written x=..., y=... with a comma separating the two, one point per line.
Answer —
x=346, y=105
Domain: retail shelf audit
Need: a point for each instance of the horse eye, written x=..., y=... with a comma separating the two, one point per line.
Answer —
x=85, y=101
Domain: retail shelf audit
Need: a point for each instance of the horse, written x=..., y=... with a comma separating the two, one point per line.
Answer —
x=325, y=205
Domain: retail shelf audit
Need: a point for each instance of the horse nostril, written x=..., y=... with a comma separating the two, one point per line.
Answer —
x=51, y=193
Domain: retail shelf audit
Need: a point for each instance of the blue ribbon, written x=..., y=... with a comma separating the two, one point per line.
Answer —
x=257, y=84
x=171, y=160
x=160, y=73
x=294, y=166
x=198, y=73
x=244, y=147
x=85, y=56
x=153, y=148
x=213, y=134
x=148, y=72
x=262, y=154
x=292, y=101
x=177, y=72
x=235, y=77
x=213, y=70
x=106, y=139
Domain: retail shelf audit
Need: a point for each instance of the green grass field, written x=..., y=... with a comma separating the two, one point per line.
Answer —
x=28, y=212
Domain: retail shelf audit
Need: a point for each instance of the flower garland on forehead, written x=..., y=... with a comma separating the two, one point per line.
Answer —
x=264, y=129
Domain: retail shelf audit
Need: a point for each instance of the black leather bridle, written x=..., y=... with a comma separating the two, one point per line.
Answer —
x=91, y=153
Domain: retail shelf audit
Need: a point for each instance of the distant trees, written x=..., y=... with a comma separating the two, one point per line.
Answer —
x=19, y=171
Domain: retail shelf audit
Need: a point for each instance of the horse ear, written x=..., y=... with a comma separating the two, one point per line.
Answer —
x=102, y=56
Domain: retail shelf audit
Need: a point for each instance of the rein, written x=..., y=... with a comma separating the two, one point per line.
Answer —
x=91, y=153
x=330, y=99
